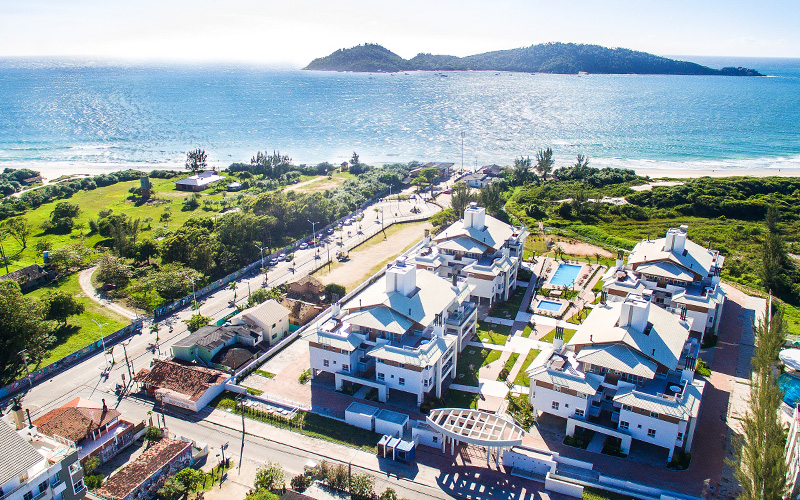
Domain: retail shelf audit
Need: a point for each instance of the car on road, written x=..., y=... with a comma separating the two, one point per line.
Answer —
x=273, y=262
x=348, y=222
x=330, y=230
x=303, y=245
x=281, y=257
x=320, y=236
x=446, y=191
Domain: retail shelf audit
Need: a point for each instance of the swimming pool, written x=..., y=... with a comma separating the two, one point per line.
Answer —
x=565, y=275
x=790, y=385
x=549, y=305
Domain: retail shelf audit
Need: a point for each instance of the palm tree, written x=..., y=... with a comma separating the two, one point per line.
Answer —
x=597, y=256
x=196, y=160
x=232, y=286
x=544, y=162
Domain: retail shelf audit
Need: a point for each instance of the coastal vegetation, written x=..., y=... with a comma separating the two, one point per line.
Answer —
x=565, y=58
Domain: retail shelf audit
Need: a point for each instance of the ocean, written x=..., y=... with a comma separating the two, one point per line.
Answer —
x=72, y=114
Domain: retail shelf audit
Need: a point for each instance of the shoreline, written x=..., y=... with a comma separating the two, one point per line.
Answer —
x=51, y=171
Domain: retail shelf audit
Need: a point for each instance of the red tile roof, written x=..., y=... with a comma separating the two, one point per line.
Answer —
x=74, y=423
x=121, y=484
x=189, y=380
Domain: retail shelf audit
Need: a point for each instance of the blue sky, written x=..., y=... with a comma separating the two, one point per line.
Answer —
x=291, y=33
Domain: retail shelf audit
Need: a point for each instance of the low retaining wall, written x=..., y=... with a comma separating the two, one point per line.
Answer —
x=563, y=487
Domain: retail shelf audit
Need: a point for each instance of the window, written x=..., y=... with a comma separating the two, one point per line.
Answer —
x=623, y=425
x=42, y=486
x=651, y=433
x=627, y=407
x=654, y=414
x=425, y=383
x=346, y=368
x=578, y=412
x=28, y=496
x=273, y=325
x=639, y=426
x=402, y=381
x=435, y=439
x=401, y=365
x=566, y=405
x=381, y=376
x=554, y=405
x=78, y=486
x=680, y=436
x=325, y=362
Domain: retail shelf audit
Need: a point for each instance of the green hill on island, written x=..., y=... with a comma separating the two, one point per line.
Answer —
x=564, y=58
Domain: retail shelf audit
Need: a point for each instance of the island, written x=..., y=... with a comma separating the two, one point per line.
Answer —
x=561, y=58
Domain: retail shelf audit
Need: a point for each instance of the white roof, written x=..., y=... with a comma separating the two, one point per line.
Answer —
x=380, y=318
x=618, y=357
x=463, y=244
x=433, y=296
x=665, y=269
x=425, y=355
x=362, y=409
x=266, y=314
x=348, y=342
x=586, y=385
x=200, y=179
x=709, y=300
x=695, y=258
x=494, y=234
x=664, y=342
x=501, y=264
x=687, y=406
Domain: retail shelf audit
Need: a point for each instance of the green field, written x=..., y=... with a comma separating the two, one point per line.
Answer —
x=490, y=333
x=80, y=330
x=116, y=198
x=522, y=377
x=471, y=360
x=509, y=308
x=550, y=336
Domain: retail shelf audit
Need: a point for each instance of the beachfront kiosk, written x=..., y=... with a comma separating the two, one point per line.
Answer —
x=475, y=427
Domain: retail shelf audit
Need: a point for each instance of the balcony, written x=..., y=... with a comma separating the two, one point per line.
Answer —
x=458, y=317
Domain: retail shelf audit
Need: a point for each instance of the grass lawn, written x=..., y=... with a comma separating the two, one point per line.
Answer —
x=792, y=316
x=265, y=374
x=461, y=399
x=534, y=244
x=510, y=362
x=527, y=331
x=590, y=493
x=80, y=330
x=114, y=197
x=493, y=334
x=320, y=183
x=579, y=316
x=471, y=360
x=509, y=308
x=550, y=336
x=522, y=377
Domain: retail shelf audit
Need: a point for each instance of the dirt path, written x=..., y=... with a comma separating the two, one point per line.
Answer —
x=582, y=248
x=366, y=257
x=321, y=184
x=85, y=280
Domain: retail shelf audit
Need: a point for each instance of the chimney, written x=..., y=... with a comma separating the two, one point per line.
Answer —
x=426, y=240
x=475, y=217
x=558, y=339
x=401, y=278
x=105, y=408
x=335, y=308
x=19, y=416
x=634, y=312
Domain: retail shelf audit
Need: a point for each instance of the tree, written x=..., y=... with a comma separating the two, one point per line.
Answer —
x=152, y=434
x=146, y=250
x=113, y=270
x=336, y=289
x=232, y=286
x=91, y=464
x=362, y=487
x=428, y=175
x=300, y=483
x=23, y=326
x=70, y=257
x=196, y=322
x=19, y=229
x=521, y=172
x=270, y=477
x=261, y=495
x=354, y=161
x=172, y=489
x=61, y=305
x=759, y=450
x=93, y=481
x=460, y=198
x=491, y=197
x=544, y=162
x=389, y=494
x=773, y=256
x=189, y=478
x=196, y=160
x=62, y=218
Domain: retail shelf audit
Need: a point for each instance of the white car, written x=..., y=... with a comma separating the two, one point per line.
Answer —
x=303, y=245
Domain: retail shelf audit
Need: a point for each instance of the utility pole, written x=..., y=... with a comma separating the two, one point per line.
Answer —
x=24, y=354
x=102, y=339
x=462, y=151
x=314, y=237
x=262, y=254
x=127, y=363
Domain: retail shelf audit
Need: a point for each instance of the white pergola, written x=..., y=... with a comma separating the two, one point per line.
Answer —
x=459, y=425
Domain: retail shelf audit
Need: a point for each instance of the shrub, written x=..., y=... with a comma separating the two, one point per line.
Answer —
x=152, y=433
x=94, y=481
x=300, y=483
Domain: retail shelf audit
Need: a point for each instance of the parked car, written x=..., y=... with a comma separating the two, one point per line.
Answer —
x=303, y=245
x=273, y=262
x=281, y=257
x=330, y=230
x=446, y=191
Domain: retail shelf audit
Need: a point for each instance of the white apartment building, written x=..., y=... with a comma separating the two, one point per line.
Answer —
x=484, y=250
x=683, y=276
x=401, y=333
x=35, y=466
x=628, y=372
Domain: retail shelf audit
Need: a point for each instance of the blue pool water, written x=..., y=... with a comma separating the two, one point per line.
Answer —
x=565, y=275
x=790, y=385
x=549, y=305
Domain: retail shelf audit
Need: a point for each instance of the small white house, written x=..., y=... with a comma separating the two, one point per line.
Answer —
x=361, y=415
x=271, y=318
x=391, y=423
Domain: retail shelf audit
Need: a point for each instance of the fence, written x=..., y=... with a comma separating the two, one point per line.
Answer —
x=66, y=361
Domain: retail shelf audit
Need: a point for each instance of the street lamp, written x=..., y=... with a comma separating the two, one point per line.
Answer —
x=102, y=338
x=262, y=254
x=314, y=237
x=194, y=295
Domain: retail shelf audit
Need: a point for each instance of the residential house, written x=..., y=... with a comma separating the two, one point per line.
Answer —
x=213, y=346
x=305, y=299
x=198, y=182
x=443, y=168
x=481, y=248
x=98, y=431
x=478, y=180
x=401, y=333
x=144, y=476
x=270, y=317
x=31, y=277
x=683, y=276
x=493, y=170
x=33, y=465
x=628, y=373
x=181, y=384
